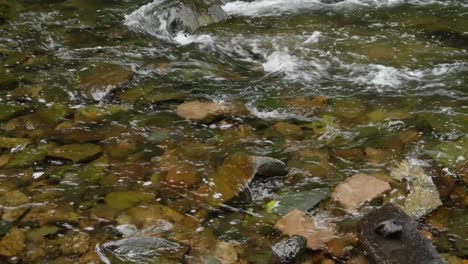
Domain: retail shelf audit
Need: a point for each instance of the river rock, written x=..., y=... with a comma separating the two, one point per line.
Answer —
x=303, y=200
x=30, y=155
x=314, y=162
x=205, y=112
x=50, y=214
x=73, y=243
x=99, y=81
x=97, y=113
x=289, y=130
x=236, y=172
x=168, y=17
x=423, y=196
x=230, y=253
x=13, y=201
x=9, y=142
x=146, y=216
x=9, y=111
x=268, y=167
x=143, y=250
x=297, y=223
x=290, y=250
x=7, y=80
x=76, y=152
x=6, y=12
x=124, y=200
x=359, y=189
x=12, y=244
x=406, y=245
x=451, y=154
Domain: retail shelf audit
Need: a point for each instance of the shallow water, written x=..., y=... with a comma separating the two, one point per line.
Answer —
x=393, y=72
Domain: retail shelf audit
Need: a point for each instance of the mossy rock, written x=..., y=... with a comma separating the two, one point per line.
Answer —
x=9, y=111
x=92, y=173
x=30, y=155
x=6, y=12
x=451, y=154
x=124, y=200
x=38, y=235
x=348, y=108
x=26, y=92
x=95, y=113
x=9, y=142
x=15, y=58
x=7, y=80
x=97, y=82
x=76, y=152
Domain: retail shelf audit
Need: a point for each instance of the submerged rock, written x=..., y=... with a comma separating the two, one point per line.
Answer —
x=237, y=172
x=230, y=253
x=297, y=223
x=205, y=112
x=404, y=244
x=30, y=155
x=8, y=142
x=13, y=202
x=9, y=111
x=423, y=196
x=12, y=244
x=304, y=201
x=291, y=249
x=76, y=152
x=143, y=250
x=359, y=189
x=165, y=18
x=289, y=130
x=99, y=81
x=73, y=243
x=268, y=167
x=124, y=200
x=451, y=154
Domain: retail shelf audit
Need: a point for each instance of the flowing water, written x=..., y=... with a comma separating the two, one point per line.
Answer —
x=90, y=142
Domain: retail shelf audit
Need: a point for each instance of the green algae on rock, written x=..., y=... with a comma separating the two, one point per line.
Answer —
x=9, y=142
x=124, y=200
x=30, y=155
x=97, y=82
x=14, y=203
x=451, y=154
x=12, y=243
x=8, y=111
x=423, y=196
x=76, y=152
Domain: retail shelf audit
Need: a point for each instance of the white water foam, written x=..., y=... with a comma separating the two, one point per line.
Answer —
x=294, y=68
x=148, y=19
x=184, y=38
x=277, y=7
x=380, y=76
x=277, y=114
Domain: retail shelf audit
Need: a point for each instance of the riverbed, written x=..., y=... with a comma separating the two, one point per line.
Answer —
x=94, y=152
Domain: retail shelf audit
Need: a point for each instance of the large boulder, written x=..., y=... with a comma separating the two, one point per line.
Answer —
x=389, y=236
x=165, y=18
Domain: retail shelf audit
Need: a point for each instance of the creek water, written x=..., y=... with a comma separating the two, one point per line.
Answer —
x=90, y=142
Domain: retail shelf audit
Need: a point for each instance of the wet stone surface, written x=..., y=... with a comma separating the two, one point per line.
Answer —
x=206, y=131
x=390, y=236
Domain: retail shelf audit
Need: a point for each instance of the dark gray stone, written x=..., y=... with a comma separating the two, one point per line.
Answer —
x=143, y=250
x=389, y=236
x=290, y=250
x=268, y=167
